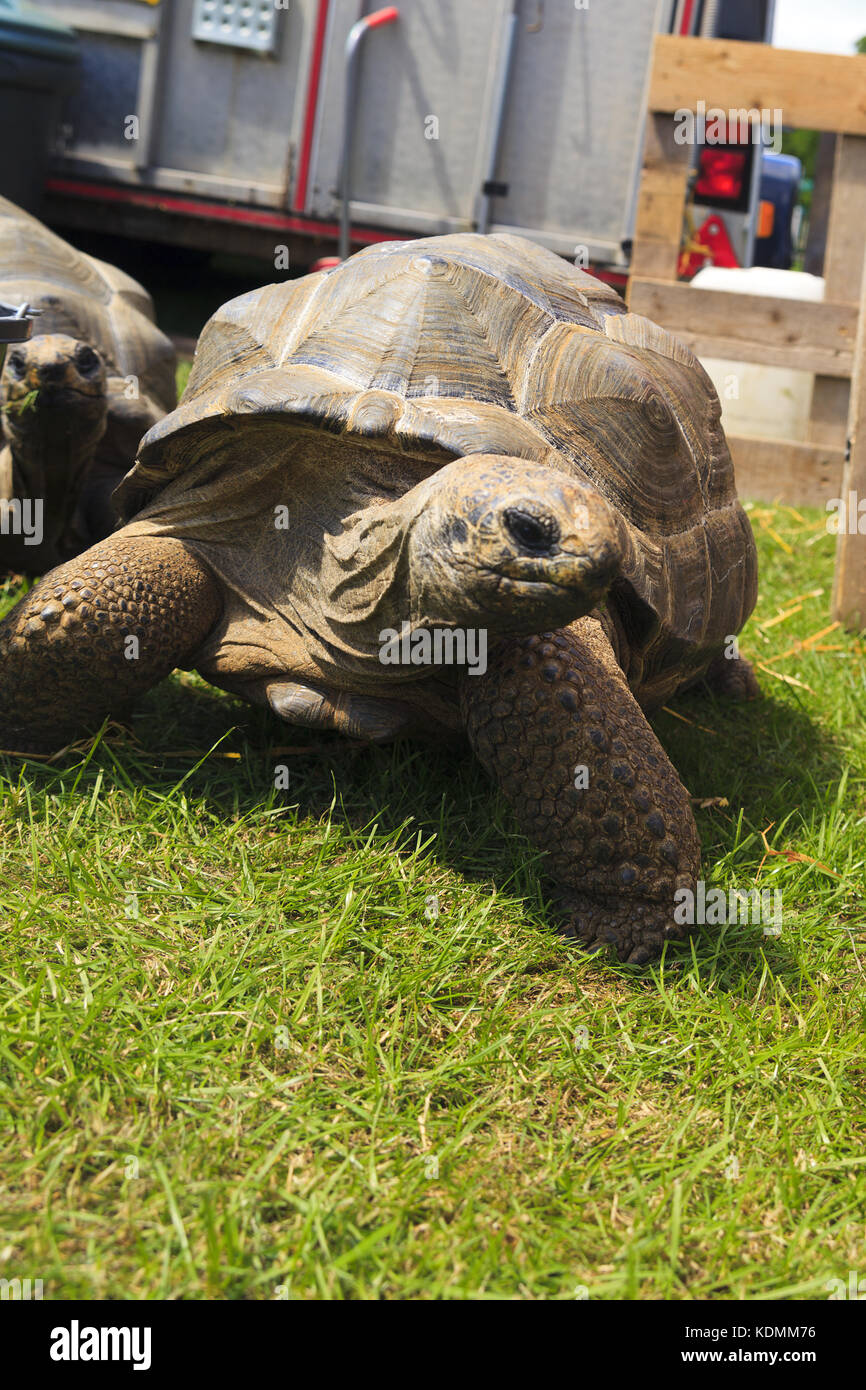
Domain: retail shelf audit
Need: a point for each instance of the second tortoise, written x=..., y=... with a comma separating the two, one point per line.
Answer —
x=79, y=395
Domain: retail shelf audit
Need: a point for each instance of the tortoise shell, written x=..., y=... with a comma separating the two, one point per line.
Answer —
x=85, y=299
x=467, y=344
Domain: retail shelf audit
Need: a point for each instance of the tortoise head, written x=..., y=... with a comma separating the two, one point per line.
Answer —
x=54, y=387
x=510, y=544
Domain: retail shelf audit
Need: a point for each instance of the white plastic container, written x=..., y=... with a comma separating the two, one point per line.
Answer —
x=771, y=402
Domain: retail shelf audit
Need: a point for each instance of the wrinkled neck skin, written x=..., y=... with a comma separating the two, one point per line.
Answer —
x=53, y=472
x=49, y=466
x=366, y=575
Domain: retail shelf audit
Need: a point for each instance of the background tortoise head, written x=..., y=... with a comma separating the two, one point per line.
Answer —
x=69, y=380
x=511, y=543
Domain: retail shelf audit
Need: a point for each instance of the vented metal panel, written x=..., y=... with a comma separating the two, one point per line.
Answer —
x=248, y=24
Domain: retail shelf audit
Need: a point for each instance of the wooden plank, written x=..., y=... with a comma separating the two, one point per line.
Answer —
x=843, y=259
x=817, y=91
x=661, y=201
x=736, y=350
x=828, y=418
x=784, y=470
x=828, y=413
x=815, y=337
x=849, y=589
x=815, y=251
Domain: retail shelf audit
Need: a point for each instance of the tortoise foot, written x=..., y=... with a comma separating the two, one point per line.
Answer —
x=97, y=632
x=637, y=929
x=732, y=677
x=553, y=719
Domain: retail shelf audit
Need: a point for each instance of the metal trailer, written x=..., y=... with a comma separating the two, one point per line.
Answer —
x=222, y=124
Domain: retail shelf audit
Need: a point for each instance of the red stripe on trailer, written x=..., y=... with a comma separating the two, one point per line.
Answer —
x=212, y=212
x=311, y=105
x=686, y=22
x=250, y=217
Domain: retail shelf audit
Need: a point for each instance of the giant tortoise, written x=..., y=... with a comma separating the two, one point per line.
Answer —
x=78, y=396
x=462, y=436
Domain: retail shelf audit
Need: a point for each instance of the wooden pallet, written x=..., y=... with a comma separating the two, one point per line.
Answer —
x=816, y=91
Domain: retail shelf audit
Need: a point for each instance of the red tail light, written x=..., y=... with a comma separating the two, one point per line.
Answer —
x=721, y=175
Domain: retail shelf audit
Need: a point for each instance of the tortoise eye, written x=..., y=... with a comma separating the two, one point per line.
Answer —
x=16, y=363
x=534, y=533
x=86, y=359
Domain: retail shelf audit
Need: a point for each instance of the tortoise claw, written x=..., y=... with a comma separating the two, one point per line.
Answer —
x=636, y=928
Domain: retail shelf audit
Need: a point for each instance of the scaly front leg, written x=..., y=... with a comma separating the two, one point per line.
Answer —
x=553, y=720
x=96, y=633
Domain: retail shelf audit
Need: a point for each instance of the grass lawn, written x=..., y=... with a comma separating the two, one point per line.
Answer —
x=242, y=1059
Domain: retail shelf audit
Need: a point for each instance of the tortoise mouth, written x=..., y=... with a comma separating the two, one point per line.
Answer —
x=56, y=390
x=563, y=571
x=51, y=399
x=526, y=596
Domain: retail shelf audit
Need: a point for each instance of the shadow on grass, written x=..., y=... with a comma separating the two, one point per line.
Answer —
x=766, y=758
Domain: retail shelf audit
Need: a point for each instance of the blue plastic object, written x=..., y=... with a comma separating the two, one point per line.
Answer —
x=780, y=182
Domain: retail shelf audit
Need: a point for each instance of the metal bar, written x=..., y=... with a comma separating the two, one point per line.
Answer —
x=149, y=105
x=499, y=116
x=757, y=162
x=353, y=43
x=754, y=203
x=311, y=107
x=709, y=15
x=16, y=325
x=630, y=213
x=16, y=322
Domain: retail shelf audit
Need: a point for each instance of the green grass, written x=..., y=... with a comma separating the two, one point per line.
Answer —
x=239, y=1059
x=183, y=370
